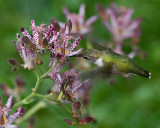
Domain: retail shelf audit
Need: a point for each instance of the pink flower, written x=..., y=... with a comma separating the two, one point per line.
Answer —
x=79, y=25
x=6, y=120
x=119, y=23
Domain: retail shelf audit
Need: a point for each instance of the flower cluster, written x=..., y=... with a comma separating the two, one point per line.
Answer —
x=61, y=40
x=71, y=89
x=6, y=120
x=77, y=115
x=80, y=26
x=71, y=86
x=119, y=23
x=53, y=37
x=28, y=45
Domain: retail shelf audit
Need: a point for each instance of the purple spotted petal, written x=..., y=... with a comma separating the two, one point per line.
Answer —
x=25, y=33
x=48, y=31
x=57, y=78
x=80, y=86
x=75, y=52
x=10, y=126
x=75, y=43
x=34, y=32
x=9, y=103
x=15, y=115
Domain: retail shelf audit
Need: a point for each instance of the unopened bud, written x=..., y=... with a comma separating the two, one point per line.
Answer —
x=76, y=106
x=19, y=81
x=57, y=27
x=68, y=121
x=86, y=120
x=13, y=62
x=14, y=69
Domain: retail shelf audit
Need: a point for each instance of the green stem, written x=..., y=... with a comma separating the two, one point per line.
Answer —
x=33, y=110
x=44, y=96
x=60, y=95
x=40, y=70
x=37, y=84
x=44, y=75
x=53, y=100
x=24, y=101
x=61, y=104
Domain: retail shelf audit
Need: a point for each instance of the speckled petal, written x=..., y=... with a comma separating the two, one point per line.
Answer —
x=9, y=102
x=75, y=43
x=15, y=115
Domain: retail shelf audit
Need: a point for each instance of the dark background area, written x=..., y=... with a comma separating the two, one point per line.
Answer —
x=130, y=103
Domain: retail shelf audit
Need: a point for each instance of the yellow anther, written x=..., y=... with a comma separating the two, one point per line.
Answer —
x=67, y=52
x=38, y=42
x=6, y=121
x=59, y=50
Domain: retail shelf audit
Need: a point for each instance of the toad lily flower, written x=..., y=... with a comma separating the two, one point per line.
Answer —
x=119, y=23
x=62, y=47
x=27, y=44
x=6, y=120
x=80, y=26
x=28, y=56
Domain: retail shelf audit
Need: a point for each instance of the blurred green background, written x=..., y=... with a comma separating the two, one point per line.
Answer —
x=130, y=103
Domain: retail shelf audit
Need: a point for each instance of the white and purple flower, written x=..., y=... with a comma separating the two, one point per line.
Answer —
x=6, y=120
x=62, y=47
x=27, y=45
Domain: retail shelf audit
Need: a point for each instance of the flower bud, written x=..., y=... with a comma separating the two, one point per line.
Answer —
x=85, y=120
x=14, y=69
x=76, y=106
x=13, y=62
x=20, y=81
x=68, y=121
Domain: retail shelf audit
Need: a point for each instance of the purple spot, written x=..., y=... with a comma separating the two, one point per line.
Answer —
x=53, y=46
x=22, y=29
x=21, y=111
x=59, y=56
x=51, y=55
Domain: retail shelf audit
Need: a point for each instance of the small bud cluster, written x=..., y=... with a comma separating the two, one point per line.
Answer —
x=69, y=83
x=77, y=115
x=73, y=90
